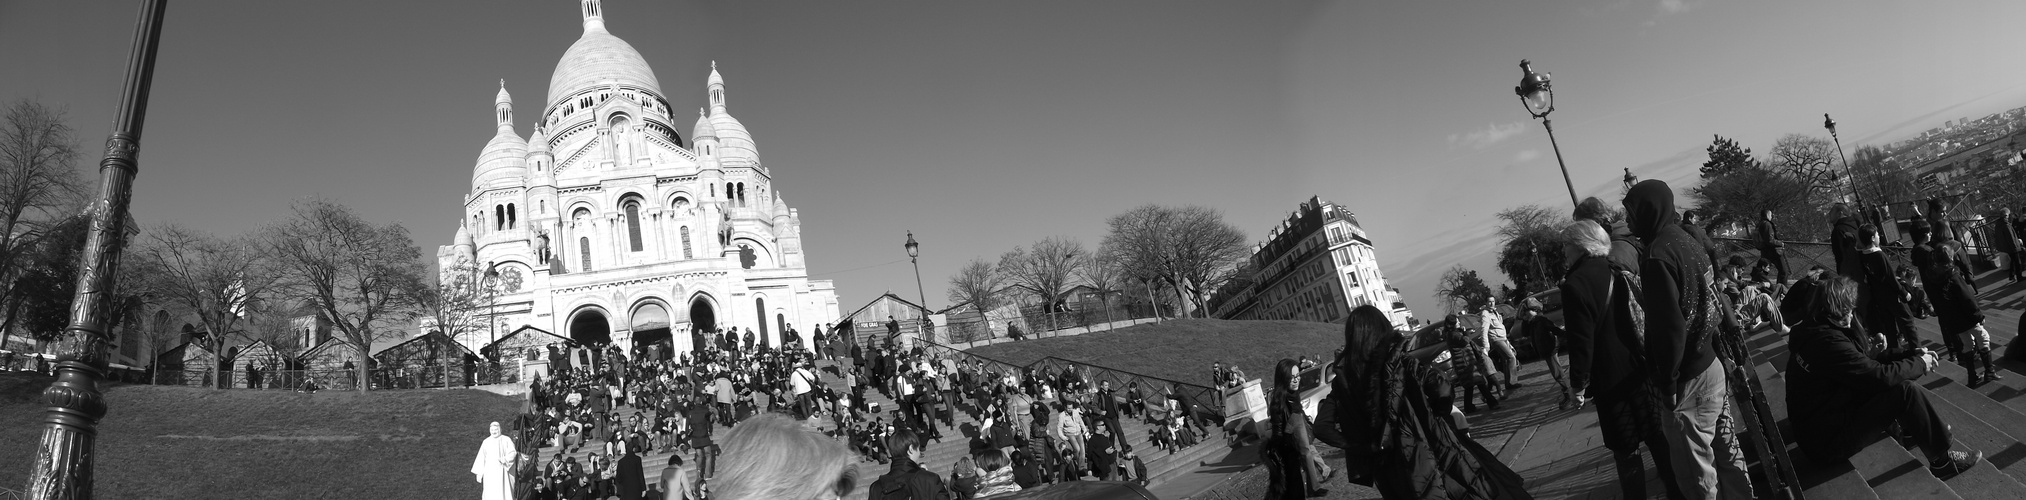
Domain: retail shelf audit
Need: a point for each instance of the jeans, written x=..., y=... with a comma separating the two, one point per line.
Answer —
x=1500, y=351
x=1702, y=440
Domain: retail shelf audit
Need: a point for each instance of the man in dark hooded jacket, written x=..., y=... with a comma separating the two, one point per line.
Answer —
x=1843, y=242
x=1679, y=288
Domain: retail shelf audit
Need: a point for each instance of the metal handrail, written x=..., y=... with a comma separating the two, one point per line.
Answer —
x=1193, y=393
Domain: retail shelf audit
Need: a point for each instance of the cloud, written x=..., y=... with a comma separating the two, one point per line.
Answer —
x=1492, y=134
x=1526, y=156
x=1672, y=7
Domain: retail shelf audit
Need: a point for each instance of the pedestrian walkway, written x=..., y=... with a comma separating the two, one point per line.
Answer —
x=1561, y=453
x=1562, y=456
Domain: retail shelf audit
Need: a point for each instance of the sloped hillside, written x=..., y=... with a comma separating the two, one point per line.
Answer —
x=1183, y=349
x=183, y=442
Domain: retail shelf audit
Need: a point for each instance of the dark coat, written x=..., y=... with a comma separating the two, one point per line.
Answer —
x=1828, y=376
x=1768, y=236
x=1599, y=353
x=907, y=480
x=631, y=479
x=1880, y=287
x=1945, y=274
x=1102, y=453
x=1843, y=243
x=1679, y=288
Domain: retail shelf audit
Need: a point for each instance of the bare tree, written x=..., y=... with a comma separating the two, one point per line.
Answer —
x=1810, y=160
x=1101, y=270
x=356, y=274
x=216, y=279
x=453, y=301
x=975, y=284
x=1045, y=268
x=1190, y=248
x=39, y=187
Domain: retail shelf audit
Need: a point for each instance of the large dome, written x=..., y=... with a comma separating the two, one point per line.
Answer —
x=597, y=60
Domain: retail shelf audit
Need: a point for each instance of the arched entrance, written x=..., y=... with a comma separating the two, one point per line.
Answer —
x=703, y=321
x=590, y=327
x=650, y=324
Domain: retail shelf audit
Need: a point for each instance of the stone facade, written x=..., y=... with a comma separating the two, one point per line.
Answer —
x=1315, y=266
x=605, y=224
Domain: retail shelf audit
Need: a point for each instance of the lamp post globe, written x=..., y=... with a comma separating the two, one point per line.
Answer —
x=1537, y=93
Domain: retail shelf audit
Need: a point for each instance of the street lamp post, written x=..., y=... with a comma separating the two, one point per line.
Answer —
x=914, y=250
x=1847, y=172
x=64, y=457
x=492, y=301
x=1538, y=96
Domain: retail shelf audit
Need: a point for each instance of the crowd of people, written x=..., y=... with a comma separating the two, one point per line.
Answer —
x=1026, y=427
x=1654, y=314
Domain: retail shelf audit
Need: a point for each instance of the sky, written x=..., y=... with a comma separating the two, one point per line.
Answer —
x=981, y=126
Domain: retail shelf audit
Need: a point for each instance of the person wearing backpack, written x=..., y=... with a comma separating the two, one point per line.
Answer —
x=1945, y=271
x=1682, y=317
x=1607, y=358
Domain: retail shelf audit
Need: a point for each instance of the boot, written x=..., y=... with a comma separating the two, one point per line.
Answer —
x=1990, y=370
x=1969, y=362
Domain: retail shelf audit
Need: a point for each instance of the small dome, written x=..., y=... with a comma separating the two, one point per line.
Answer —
x=503, y=98
x=539, y=142
x=505, y=156
x=462, y=239
x=703, y=127
x=732, y=136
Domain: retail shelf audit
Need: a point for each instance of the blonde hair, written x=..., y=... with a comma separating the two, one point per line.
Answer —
x=771, y=456
x=1587, y=235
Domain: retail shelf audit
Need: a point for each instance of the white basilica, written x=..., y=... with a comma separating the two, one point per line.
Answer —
x=604, y=224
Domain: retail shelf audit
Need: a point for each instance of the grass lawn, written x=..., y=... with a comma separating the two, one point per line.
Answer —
x=1183, y=349
x=183, y=442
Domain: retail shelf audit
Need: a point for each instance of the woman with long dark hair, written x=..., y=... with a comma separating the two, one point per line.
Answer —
x=1288, y=450
x=1390, y=409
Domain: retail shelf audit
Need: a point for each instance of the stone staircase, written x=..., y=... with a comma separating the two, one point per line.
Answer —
x=1990, y=418
x=939, y=457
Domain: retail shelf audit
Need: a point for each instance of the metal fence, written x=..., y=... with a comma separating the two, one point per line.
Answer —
x=1035, y=324
x=419, y=377
x=1210, y=400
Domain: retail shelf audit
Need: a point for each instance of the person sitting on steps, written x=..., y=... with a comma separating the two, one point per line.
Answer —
x=1842, y=394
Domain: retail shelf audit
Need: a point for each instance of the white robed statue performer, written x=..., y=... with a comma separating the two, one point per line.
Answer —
x=495, y=460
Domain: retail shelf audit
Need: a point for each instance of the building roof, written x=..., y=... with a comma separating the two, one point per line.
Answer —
x=432, y=333
x=519, y=336
x=888, y=295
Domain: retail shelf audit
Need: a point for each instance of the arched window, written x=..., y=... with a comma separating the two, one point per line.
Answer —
x=760, y=306
x=584, y=247
x=728, y=193
x=498, y=217
x=742, y=194
x=633, y=225
x=685, y=243
x=513, y=220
